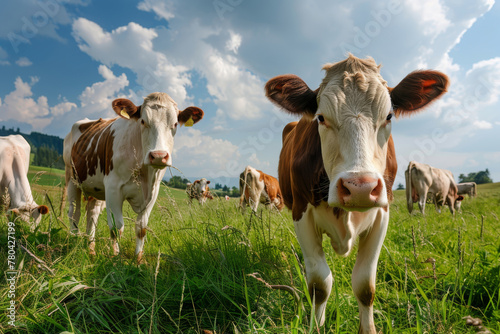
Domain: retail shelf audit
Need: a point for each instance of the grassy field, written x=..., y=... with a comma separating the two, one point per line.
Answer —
x=207, y=269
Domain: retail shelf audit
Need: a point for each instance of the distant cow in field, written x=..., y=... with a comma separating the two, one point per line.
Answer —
x=258, y=187
x=423, y=180
x=199, y=190
x=122, y=158
x=338, y=164
x=467, y=188
x=15, y=190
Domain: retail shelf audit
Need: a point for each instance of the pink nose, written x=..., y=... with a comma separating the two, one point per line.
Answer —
x=360, y=192
x=158, y=158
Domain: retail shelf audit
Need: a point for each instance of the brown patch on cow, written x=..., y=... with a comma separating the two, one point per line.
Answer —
x=93, y=149
x=391, y=168
x=366, y=295
x=272, y=188
x=288, y=128
x=302, y=176
x=142, y=233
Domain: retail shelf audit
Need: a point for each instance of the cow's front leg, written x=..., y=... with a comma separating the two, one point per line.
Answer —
x=319, y=276
x=74, y=198
x=94, y=208
x=365, y=270
x=115, y=219
x=421, y=202
x=141, y=225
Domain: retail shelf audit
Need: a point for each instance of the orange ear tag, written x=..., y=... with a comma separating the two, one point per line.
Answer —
x=124, y=114
x=189, y=122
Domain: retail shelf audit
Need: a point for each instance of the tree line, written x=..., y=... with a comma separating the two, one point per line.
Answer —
x=46, y=149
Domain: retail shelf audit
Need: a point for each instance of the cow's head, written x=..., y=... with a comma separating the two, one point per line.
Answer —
x=158, y=118
x=353, y=108
x=28, y=213
x=202, y=185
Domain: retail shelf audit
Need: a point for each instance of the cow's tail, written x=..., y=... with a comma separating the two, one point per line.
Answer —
x=409, y=197
x=243, y=186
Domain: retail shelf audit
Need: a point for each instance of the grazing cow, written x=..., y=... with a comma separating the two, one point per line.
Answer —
x=256, y=186
x=199, y=190
x=338, y=163
x=15, y=191
x=122, y=158
x=423, y=180
x=467, y=188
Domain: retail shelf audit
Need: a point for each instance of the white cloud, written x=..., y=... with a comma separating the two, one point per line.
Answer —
x=195, y=149
x=234, y=42
x=482, y=125
x=161, y=8
x=131, y=46
x=62, y=108
x=23, y=62
x=96, y=99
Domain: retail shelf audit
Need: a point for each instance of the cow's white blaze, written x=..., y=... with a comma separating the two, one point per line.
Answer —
x=352, y=113
x=158, y=124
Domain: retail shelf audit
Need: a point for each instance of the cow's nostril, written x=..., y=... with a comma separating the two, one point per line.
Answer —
x=377, y=191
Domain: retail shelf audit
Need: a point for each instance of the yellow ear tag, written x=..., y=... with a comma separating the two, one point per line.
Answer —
x=124, y=113
x=189, y=122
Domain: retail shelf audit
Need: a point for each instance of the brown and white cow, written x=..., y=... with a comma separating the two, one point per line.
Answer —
x=258, y=187
x=199, y=190
x=15, y=190
x=338, y=163
x=467, y=188
x=423, y=180
x=122, y=158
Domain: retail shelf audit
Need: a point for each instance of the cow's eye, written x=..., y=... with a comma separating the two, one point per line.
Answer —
x=142, y=121
x=321, y=119
x=389, y=117
x=175, y=125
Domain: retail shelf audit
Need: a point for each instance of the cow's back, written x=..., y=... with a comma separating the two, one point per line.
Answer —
x=88, y=148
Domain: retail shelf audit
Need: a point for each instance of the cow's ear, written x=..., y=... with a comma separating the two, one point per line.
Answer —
x=417, y=90
x=197, y=181
x=190, y=116
x=126, y=108
x=292, y=94
x=43, y=209
x=460, y=198
x=208, y=182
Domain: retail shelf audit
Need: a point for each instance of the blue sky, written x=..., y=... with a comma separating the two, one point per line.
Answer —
x=65, y=60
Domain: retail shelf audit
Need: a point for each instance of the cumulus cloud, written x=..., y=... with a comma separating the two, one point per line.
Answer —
x=194, y=149
x=131, y=46
x=162, y=8
x=23, y=62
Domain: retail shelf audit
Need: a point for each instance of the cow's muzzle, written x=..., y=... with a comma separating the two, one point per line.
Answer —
x=158, y=159
x=358, y=192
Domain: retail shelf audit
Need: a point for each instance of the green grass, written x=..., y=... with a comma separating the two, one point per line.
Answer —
x=199, y=260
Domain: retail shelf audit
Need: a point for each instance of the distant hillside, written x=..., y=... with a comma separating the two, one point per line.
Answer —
x=36, y=139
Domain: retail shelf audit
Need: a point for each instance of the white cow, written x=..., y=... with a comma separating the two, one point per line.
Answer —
x=199, y=190
x=337, y=166
x=14, y=185
x=467, y=188
x=120, y=159
x=423, y=180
